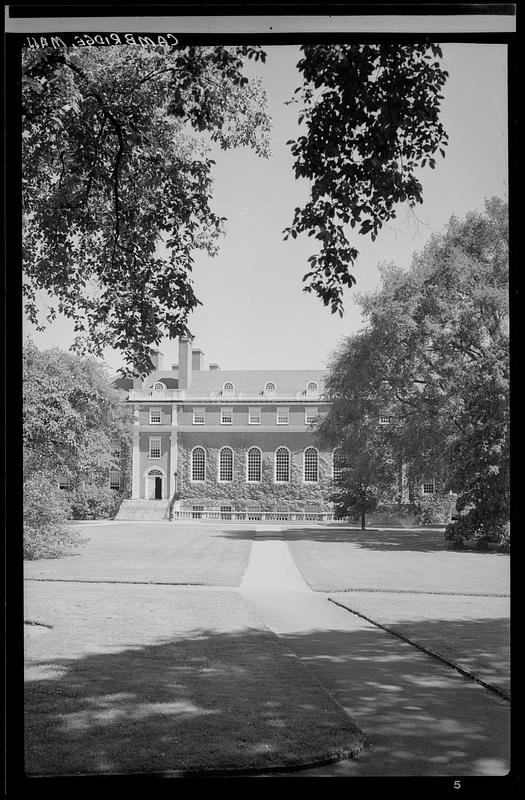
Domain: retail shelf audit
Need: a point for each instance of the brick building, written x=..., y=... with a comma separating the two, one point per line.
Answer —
x=228, y=444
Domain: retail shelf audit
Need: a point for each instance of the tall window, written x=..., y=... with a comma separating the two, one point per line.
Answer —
x=254, y=416
x=282, y=465
x=198, y=464
x=115, y=479
x=253, y=469
x=283, y=416
x=311, y=388
x=154, y=448
x=227, y=388
x=198, y=416
x=226, y=416
x=429, y=486
x=154, y=416
x=269, y=388
x=311, y=465
x=116, y=453
x=337, y=464
x=226, y=464
x=310, y=415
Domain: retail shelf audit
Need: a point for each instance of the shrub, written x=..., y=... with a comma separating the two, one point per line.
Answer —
x=435, y=508
x=90, y=501
x=46, y=509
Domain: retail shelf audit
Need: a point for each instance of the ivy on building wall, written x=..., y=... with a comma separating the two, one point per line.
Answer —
x=270, y=496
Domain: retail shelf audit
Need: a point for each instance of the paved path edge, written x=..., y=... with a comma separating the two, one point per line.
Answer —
x=322, y=761
x=466, y=673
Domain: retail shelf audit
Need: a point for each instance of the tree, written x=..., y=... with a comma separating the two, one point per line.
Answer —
x=117, y=181
x=368, y=470
x=72, y=418
x=367, y=453
x=437, y=355
x=372, y=117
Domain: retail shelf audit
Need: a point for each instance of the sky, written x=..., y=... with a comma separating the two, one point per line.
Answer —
x=254, y=314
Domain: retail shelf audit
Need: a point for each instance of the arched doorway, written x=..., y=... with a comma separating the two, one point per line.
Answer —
x=155, y=488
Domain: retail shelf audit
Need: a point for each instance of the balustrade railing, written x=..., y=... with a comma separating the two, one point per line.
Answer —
x=259, y=397
x=254, y=516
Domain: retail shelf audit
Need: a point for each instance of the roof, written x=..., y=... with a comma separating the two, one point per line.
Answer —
x=247, y=380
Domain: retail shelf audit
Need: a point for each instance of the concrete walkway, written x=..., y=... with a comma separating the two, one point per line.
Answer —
x=421, y=717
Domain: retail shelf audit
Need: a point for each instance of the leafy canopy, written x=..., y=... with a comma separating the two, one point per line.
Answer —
x=434, y=354
x=72, y=418
x=117, y=182
x=372, y=119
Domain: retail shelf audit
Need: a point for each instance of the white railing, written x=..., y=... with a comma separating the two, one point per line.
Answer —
x=259, y=397
x=256, y=516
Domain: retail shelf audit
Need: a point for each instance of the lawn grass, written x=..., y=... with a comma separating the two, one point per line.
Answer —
x=162, y=552
x=134, y=679
x=335, y=560
x=471, y=632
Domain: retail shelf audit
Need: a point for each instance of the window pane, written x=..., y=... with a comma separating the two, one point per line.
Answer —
x=282, y=416
x=310, y=416
x=282, y=465
x=226, y=416
x=198, y=416
x=337, y=464
x=310, y=465
x=254, y=465
x=226, y=464
x=198, y=464
x=154, y=448
x=114, y=479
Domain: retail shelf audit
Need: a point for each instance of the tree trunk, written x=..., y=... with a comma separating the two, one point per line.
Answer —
x=363, y=520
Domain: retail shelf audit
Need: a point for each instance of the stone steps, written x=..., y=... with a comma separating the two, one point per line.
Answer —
x=143, y=510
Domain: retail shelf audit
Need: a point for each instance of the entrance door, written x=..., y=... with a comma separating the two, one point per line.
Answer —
x=158, y=488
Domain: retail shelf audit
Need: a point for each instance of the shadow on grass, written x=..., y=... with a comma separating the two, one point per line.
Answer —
x=195, y=702
x=480, y=646
x=207, y=700
x=388, y=540
x=421, y=718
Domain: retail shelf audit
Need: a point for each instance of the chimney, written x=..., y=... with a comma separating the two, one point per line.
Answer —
x=184, y=362
x=174, y=367
x=197, y=358
x=138, y=383
x=214, y=367
x=156, y=357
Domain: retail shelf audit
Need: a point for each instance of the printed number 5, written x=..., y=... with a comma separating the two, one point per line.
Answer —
x=457, y=784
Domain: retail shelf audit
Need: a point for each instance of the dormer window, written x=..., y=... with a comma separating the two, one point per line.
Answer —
x=312, y=388
x=159, y=387
x=269, y=388
x=227, y=388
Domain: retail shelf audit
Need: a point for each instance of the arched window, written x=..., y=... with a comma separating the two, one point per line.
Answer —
x=253, y=465
x=270, y=387
x=282, y=465
x=227, y=388
x=337, y=464
x=159, y=387
x=312, y=388
x=226, y=464
x=311, y=465
x=198, y=464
